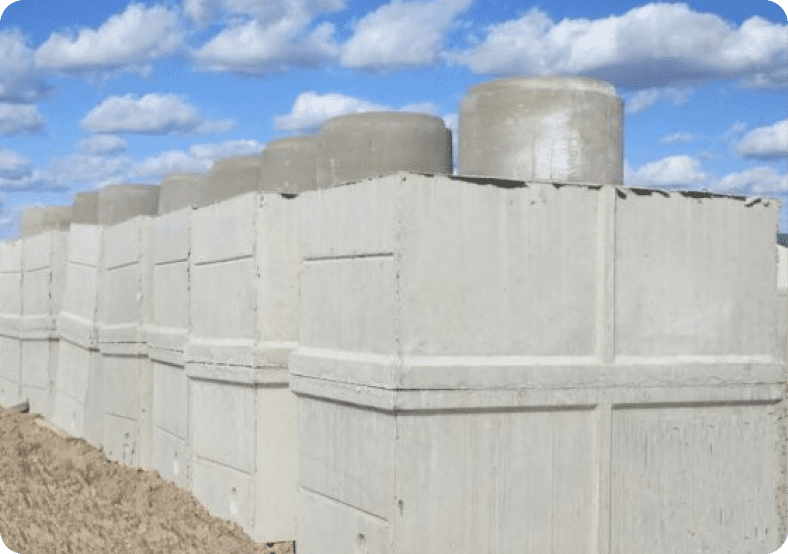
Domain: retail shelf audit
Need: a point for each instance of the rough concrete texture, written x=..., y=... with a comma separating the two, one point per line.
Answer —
x=167, y=334
x=38, y=220
x=78, y=397
x=244, y=257
x=180, y=190
x=10, y=316
x=123, y=317
x=537, y=367
x=288, y=165
x=118, y=203
x=230, y=177
x=43, y=278
x=358, y=146
x=85, y=208
x=568, y=130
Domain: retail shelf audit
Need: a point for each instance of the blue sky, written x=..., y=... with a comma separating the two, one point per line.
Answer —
x=105, y=91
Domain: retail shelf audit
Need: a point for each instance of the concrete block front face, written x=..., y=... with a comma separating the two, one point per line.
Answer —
x=515, y=383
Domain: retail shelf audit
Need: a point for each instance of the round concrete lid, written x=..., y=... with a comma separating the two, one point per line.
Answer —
x=578, y=84
x=375, y=119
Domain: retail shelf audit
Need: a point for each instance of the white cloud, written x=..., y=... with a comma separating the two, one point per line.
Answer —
x=103, y=144
x=651, y=45
x=766, y=142
x=311, y=109
x=129, y=40
x=197, y=160
x=20, y=118
x=401, y=34
x=90, y=168
x=19, y=81
x=280, y=39
x=762, y=180
x=154, y=114
x=676, y=137
x=205, y=11
x=672, y=171
x=644, y=99
x=14, y=165
x=34, y=181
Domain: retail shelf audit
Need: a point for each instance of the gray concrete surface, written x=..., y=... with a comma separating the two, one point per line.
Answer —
x=358, y=146
x=47, y=218
x=567, y=130
x=180, y=190
x=610, y=414
x=85, y=207
x=118, y=203
x=43, y=278
x=288, y=165
x=230, y=177
x=10, y=316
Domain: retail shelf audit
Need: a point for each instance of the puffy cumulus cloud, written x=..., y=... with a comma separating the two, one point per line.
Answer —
x=311, y=109
x=281, y=34
x=205, y=11
x=198, y=159
x=762, y=180
x=766, y=142
x=673, y=138
x=19, y=79
x=672, y=171
x=17, y=119
x=644, y=99
x=153, y=114
x=126, y=41
x=103, y=144
x=401, y=34
x=13, y=165
x=17, y=174
x=652, y=45
x=90, y=168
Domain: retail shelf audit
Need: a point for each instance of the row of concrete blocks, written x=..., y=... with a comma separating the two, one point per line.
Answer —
x=419, y=363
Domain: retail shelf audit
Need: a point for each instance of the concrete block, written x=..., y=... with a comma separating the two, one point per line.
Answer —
x=85, y=208
x=124, y=314
x=517, y=385
x=167, y=336
x=47, y=218
x=230, y=177
x=566, y=130
x=118, y=203
x=180, y=190
x=10, y=319
x=288, y=165
x=43, y=275
x=244, y=257
x=78, y=406
x=358, y=146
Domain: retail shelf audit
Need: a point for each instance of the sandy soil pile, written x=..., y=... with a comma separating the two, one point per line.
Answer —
x=60, y=495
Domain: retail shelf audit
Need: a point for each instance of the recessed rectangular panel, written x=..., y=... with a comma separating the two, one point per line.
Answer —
x=223, y=299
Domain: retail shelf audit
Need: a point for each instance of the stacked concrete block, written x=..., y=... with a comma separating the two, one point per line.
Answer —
x=244, y=305
x=43, y=275
x=357, y=146
x=78, y=406
x=568, y=130
x=10, y=318
x=498, y=366
x=169, y=328
x=288, y=165
x=39, y=220
x=230, y=177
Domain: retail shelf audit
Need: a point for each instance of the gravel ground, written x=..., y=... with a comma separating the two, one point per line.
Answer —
x=60, y=495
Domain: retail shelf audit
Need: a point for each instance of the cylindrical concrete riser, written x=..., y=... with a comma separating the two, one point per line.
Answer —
x=47, y=218
x=359, y=146
x=230, y=177
x=86, y=207
x=542, y=129
x=179, y=190
x=288, y=165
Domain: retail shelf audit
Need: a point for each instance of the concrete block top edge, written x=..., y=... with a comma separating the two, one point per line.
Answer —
x=502, y=182
x=578, y=84
x=289, y=142
x=380, y=118
x=234, y=161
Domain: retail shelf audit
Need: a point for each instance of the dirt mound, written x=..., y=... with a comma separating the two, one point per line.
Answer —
x=60, y=495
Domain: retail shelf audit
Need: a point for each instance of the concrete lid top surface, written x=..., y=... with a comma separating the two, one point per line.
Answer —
x=573, y=84
x=234, y=162
x=375, y=119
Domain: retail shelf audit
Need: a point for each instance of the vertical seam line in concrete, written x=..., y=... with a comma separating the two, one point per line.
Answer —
x=399, y=193
x=605, y=272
